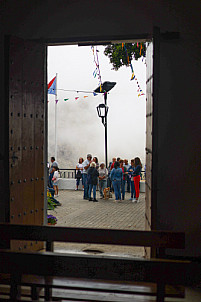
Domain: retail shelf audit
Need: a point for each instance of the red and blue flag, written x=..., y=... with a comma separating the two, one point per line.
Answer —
x=52, y=86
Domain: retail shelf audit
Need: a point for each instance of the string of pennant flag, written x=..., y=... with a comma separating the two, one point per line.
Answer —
x=75, y=98
x=96, y=73
x=52, y=90
x=133, y=77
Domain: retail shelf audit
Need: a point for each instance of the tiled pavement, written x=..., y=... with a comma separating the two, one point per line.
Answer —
x=77, y=212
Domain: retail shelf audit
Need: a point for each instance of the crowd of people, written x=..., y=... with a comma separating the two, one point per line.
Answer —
x=118, y=175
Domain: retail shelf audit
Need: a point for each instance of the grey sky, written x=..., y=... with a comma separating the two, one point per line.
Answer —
x=80, y=130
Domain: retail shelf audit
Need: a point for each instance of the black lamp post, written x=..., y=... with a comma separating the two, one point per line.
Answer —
x=102, y=109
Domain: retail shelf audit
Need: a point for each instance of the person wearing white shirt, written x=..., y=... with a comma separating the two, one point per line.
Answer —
x=79, y=173
x=55, y=180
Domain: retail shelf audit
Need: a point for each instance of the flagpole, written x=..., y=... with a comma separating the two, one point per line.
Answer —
x=55, y=139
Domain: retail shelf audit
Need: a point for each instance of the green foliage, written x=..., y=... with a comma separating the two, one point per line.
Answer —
x=118, y=55
x=50, y=203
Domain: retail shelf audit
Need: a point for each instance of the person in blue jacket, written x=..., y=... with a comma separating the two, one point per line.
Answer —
x=117, y=179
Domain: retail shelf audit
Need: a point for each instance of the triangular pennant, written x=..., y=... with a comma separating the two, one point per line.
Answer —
x=76, y=98
x=56, y=101
x=66, y=100
x=95, y=94
x=132, y=77
x=85, y=96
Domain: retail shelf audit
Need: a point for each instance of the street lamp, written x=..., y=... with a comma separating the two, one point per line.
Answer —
x=102, y=109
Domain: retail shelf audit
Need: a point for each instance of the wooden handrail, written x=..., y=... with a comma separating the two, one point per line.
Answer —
x=159, y=239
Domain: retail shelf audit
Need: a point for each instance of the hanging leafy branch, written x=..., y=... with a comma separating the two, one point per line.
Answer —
x=119, y=54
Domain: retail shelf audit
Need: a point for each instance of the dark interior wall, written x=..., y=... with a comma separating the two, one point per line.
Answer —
x=178, y=196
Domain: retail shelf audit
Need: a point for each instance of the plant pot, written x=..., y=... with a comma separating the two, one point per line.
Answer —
x=51, y=223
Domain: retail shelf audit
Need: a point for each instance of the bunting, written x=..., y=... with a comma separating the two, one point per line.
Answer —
x=129, y=63
x=132, y=71
x=97, y=72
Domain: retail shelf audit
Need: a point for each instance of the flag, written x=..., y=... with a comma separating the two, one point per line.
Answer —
x=95, y=94
x=132, y=77
x=56, y=101
x=86, y=96
x=140, y=49
x=76, y=98
x=95, y=72
x=52, y=86
x=66, y=100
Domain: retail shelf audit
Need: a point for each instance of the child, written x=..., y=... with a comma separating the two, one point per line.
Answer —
x=55, y=180
x=136, y=175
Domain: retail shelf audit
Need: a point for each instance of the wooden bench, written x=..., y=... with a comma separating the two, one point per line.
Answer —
x=53, y=267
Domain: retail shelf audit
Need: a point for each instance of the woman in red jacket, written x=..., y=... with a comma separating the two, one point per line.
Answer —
x=136, y=175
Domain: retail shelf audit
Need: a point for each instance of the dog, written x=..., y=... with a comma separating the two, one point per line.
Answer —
x=106, y=193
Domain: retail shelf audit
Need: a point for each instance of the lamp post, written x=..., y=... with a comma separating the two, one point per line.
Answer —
x=102, y=109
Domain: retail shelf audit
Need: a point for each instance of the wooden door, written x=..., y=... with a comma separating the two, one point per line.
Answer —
x=152, y=84
x=26, y=78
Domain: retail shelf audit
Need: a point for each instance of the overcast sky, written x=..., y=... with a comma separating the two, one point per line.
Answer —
x=80, y=130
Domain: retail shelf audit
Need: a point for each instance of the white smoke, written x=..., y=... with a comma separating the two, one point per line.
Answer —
x=80, y=130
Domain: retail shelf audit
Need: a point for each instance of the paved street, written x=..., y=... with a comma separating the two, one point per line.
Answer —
x=76, y=212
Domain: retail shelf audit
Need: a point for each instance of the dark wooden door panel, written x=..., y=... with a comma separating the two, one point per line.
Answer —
x=149, y=122
x=149, y=116
x=153, y=68
x=26, y=134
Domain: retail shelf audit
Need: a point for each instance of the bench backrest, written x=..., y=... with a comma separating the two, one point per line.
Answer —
x=49, y=234
x=99, y=267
